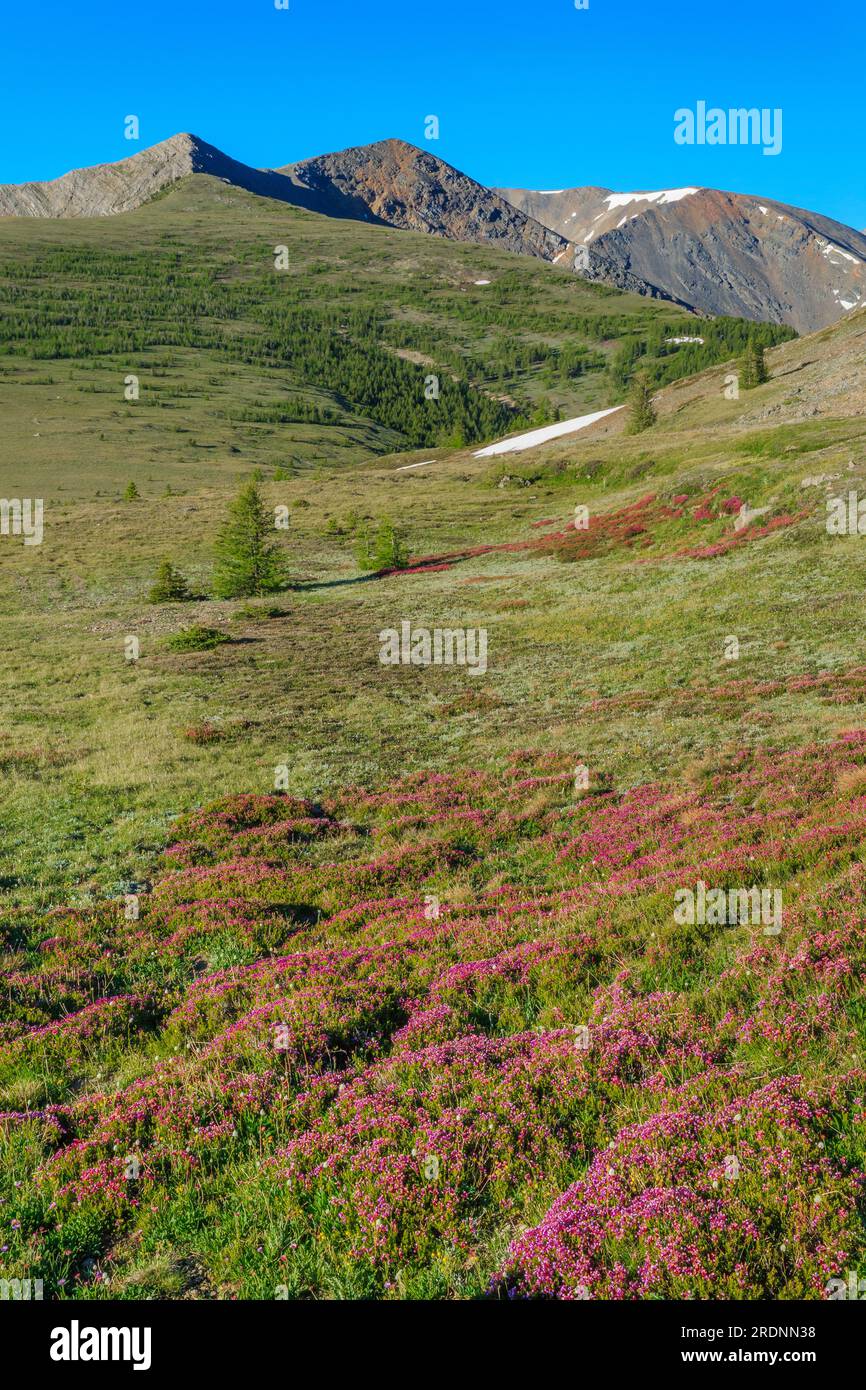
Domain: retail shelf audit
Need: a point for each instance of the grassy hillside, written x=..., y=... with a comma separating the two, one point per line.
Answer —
x=323, y=362
x=401, y=958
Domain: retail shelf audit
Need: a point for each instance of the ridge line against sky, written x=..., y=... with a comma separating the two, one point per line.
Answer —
x=528, y=93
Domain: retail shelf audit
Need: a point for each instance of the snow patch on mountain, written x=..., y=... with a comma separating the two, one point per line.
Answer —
x=828, y=249
x=664, y=195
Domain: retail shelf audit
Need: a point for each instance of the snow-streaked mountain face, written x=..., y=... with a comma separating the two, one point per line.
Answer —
x=718, y=253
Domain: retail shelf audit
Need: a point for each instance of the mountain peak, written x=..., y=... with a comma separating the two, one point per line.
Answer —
x=716, y=252
x=203, y=158
x=396, y=184
x=183, y=140
x=105, y=189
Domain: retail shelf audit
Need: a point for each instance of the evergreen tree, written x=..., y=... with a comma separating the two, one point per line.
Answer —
x=641, y=411
x=248, y=560
x=130, y=493
x=454, y=438
x=169, y=586
x=541, y=414
x=389, y=552
x=386, y=552
x=363, y=552
x=754, y=368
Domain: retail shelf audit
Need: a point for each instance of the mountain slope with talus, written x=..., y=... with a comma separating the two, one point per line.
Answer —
x=812, y=407
x=715, y=252
x=402, y=186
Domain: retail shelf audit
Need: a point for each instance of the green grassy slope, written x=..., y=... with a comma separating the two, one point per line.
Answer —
x=323, y=362
x=608, y=646
x=96, y=751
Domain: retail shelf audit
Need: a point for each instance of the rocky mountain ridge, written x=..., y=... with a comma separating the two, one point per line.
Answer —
x=710, y=251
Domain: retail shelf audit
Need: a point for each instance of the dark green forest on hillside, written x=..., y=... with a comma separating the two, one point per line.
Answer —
x=534, y=345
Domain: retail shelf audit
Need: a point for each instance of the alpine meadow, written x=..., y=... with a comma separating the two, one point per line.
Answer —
x=432, y=733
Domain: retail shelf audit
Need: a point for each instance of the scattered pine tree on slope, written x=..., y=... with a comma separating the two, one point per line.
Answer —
x=754, y=368
x=641, y=411
x=386, y=551
x=169, y=585
x=389, y=552
x=248, y=559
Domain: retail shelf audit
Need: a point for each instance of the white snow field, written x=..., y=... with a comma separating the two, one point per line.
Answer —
x=663, y=195
x=529, y=441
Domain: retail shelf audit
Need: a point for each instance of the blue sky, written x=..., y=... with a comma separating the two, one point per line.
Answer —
x=530, y=93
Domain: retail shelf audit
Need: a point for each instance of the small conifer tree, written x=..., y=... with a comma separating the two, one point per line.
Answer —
x=389, y=552
x=386, y=551
x=248, y=560
x=169, y=585
x=754, y=368
x=641, y=411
